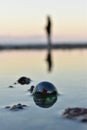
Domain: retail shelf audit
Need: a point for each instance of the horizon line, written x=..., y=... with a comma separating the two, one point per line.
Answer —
x=42, y=46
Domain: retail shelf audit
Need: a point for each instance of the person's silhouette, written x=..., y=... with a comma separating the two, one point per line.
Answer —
x=48, y=29
x=48, y=32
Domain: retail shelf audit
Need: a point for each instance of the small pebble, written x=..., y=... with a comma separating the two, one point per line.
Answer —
x=11, y=86
x=84, y=120
x=16, y=107
x=7, y=107
x=76, y=113
x=24, y=80
x=31, y=89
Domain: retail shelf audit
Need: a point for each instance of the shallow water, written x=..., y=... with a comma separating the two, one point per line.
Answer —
x=69, y=75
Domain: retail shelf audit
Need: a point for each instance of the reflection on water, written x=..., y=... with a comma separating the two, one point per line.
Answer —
x=49, y=61
x=45, y=94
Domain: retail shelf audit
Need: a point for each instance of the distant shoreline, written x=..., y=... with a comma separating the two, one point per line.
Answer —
x=42, y=46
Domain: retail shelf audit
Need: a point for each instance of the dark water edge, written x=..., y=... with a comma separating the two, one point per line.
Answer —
x=43, y=46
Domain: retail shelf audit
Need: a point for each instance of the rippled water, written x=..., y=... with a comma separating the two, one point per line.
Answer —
x=69, y=75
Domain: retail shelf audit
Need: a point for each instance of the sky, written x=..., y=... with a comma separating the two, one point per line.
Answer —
x=25, y=20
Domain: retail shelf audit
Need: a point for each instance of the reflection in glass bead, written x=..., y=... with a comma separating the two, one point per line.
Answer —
x=45, y=94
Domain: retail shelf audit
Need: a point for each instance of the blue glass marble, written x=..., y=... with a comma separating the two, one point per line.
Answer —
x=45, y=94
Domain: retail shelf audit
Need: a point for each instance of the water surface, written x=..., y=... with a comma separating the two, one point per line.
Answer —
x=69, y=75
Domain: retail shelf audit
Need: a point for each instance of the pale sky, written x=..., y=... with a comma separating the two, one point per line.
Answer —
x=25, y=20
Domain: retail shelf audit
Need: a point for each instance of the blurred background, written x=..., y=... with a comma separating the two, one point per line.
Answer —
x=63, y=60
x=23, y=21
